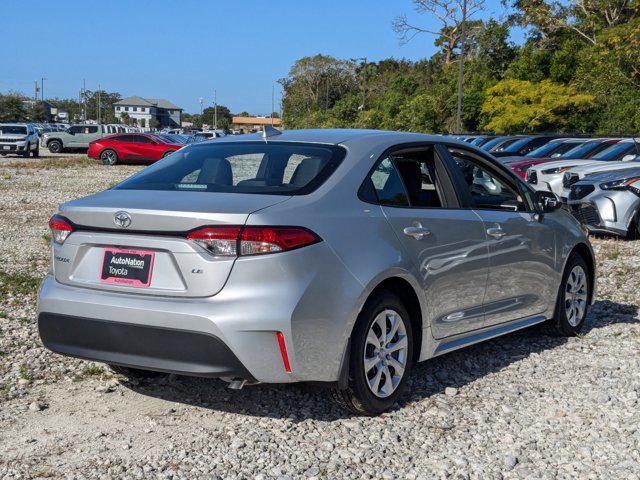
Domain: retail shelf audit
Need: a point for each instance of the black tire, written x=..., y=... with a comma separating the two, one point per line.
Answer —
x=36, y=152
x=169, y=152
x=560, y=325
x=358, y=396
x=634, y=228
x=109, y=157
x=55, y=146
x=27, y=149
x=135, y=373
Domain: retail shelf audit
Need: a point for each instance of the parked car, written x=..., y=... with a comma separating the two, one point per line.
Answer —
x=240, y=259
x=548, y=176
x=499, y=142
x=478, y=142
x=76, y=137
x=554, y=150
x=578, y=173
x=137, y=147
x=522, y=146
x=608, y=202
x=19, y=139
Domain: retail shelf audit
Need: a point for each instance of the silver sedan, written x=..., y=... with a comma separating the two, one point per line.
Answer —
x=334, y=256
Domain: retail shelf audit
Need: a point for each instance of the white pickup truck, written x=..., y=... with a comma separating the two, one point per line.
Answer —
x=74, y=137
x=19, y=139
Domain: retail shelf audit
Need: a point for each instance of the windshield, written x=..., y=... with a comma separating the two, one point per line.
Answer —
x=491, y=143
x=613, y=152
x=552, y=148
x=581, y=151
x=515, y=146
x=13, y=130
x=245, y=167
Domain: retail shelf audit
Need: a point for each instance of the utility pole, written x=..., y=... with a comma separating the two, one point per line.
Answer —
x=215, y=109
x=99, y=105
x=273, y=101
x=42, y=88
x=463, y=40
x=364, y=86
x=84, y=100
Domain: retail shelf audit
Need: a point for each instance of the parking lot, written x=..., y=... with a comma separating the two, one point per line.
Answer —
x=522, y=406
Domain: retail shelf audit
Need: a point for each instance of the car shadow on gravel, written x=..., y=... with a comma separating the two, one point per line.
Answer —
x=299, y=402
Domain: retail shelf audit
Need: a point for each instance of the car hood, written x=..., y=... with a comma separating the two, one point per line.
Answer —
x=611, y=176
x=563, y=163
x=604, y=167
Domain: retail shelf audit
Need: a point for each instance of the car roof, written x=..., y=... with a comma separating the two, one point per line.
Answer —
x=337, y=136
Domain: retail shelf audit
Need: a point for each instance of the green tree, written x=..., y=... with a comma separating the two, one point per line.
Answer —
x=224, y=116
x=523, y=106
x=12, y=107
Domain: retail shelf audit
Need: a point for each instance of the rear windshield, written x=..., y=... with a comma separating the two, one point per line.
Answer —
x=13, y=130
x=244, y=167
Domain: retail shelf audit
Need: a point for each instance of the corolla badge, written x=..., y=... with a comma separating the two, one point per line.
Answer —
x=122, y=219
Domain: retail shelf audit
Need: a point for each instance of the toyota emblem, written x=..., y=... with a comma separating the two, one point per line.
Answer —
x=122, y=219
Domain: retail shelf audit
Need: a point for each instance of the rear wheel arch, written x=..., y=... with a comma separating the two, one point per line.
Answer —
x=407, y=294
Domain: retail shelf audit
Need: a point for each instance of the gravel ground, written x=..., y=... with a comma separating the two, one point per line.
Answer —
x=523, y=406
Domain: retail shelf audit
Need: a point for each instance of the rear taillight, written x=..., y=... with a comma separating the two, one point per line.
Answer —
x=236, y=240
x=60, y=228
x=218, y=240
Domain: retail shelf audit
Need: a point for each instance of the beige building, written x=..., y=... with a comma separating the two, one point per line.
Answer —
x=250, y=124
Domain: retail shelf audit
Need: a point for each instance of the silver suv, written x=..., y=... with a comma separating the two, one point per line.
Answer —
x=333, y=256
x=75, y=137
x=19, y=139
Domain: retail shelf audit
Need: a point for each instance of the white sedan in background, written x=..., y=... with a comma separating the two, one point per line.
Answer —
x=548, y=176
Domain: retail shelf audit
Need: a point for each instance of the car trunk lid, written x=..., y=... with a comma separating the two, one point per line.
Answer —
x=158, y=222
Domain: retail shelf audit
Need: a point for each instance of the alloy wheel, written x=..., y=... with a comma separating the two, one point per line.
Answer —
x=109, y=157
x=385, y=353
x=575, y=297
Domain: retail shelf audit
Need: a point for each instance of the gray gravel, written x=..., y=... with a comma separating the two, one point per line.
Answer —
x=524, y=406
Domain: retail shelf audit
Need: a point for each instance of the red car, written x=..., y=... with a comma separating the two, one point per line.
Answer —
x=137, y=147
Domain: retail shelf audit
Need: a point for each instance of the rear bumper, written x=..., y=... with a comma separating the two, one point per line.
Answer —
x=140, y=346
x=306, y=294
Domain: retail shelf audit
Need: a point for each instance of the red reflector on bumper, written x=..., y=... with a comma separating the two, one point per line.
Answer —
x=283, y=351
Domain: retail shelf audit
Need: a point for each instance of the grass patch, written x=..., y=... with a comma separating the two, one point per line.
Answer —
x=92, y=371
x=612, y=254
x=18, y=284
x=25, y=373
x=48, y=163
x=46, y=237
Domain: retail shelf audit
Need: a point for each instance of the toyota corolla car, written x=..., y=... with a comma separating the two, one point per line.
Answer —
x=332, y=256
x=608, y=202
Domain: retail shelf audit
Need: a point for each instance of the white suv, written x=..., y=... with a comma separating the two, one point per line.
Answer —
x=19, y=139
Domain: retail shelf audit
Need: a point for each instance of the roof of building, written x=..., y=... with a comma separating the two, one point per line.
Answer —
x=256, y=121
x=147, y=102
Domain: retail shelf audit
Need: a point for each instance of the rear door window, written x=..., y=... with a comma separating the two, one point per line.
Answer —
x=280, y=168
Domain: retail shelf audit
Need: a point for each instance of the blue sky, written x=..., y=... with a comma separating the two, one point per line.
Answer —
x=183, y=50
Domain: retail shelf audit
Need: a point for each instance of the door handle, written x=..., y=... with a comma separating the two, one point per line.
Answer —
x=496, y=232
x=417, y=232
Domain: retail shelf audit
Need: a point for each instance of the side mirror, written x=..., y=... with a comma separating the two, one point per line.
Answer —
x=546, y=202
x=629, y=158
